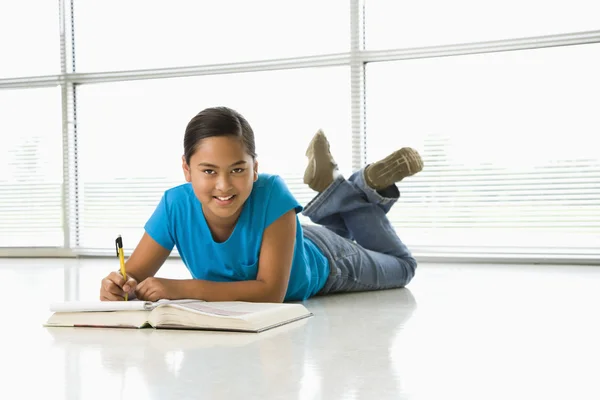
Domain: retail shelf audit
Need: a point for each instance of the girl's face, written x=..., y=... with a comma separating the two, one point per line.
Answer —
x=222, y=174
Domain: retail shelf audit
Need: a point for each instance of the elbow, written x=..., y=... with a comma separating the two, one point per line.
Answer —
x=278, y=299
x=269, y=298
x=275, y=297
x=272, y=293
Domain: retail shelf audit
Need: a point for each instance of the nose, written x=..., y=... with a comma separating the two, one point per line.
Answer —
x=223, y=183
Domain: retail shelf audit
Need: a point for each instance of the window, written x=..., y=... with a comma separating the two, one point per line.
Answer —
x=31, y=168
x=398, y=24
x=509, y=142
x=507, y=134
x=131, y=138
x=158, y=34
x=30, y=42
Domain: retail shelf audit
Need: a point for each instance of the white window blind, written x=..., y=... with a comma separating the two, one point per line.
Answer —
x=392, y=24
x=189, y=32
x=31, y=168
x=510, y=145
x=30, y=38
x=131, y=138
x=512, y=165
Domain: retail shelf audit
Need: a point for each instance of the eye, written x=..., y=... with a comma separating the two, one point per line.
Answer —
x=209, y=171
x=238, y=170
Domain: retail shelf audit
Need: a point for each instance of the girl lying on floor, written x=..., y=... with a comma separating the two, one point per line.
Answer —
x=238, y=233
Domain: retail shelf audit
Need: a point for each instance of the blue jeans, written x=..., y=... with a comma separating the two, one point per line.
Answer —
x=354, y=233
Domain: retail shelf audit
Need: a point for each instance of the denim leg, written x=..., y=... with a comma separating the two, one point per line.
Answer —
x=354, y=268
x=377, y=258
x=363, y=211
x=336, y=223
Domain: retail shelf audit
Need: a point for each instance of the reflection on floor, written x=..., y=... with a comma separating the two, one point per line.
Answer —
x=458, y=331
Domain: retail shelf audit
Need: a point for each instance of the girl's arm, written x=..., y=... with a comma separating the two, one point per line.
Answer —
x=274, y=265
x=146, y=259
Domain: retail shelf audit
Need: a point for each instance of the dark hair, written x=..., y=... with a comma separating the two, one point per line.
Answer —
x=217, y=121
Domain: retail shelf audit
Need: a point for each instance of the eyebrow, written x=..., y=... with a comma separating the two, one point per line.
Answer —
x=214, y=166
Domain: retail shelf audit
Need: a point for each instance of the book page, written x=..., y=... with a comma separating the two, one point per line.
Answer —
x=97, y=305
x=207, y=308
x=229, y=308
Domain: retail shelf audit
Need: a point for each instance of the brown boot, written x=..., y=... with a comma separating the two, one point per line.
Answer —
x=395, y=167
x=322, y=168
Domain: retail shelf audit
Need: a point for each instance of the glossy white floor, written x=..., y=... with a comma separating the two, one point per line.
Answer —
x=458, y=332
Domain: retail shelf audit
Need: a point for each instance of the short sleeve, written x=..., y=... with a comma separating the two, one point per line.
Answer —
x=280, y=201
x=159, y=225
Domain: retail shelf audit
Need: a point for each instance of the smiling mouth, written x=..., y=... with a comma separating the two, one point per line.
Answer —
x=225, y=199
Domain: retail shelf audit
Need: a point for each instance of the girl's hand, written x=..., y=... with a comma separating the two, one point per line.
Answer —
x=113, y=287
x=154, y=289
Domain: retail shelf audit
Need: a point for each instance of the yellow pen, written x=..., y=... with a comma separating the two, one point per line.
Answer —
x=119, y=246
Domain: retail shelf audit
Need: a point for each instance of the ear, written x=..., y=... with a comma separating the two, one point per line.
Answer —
x=186, y=170
x=255, y=170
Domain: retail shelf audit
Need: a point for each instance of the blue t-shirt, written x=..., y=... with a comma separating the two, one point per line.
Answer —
x=178, y=220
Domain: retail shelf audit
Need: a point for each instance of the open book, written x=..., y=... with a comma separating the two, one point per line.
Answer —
x=176, y=314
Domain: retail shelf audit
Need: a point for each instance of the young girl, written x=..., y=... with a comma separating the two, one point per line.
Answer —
x=238, y=233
